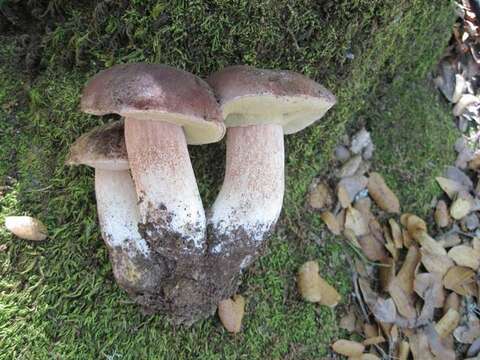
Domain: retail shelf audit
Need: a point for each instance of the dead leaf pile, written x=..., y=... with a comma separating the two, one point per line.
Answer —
x=416, y=283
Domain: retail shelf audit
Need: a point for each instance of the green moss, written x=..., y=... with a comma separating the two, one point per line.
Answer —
x=59, y=298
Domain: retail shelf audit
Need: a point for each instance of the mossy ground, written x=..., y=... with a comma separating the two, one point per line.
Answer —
x=58, y=298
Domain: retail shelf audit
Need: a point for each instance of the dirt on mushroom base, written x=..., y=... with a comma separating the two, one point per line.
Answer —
x=189, y=286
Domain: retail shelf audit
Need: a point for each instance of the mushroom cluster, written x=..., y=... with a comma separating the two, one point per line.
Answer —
x=166, y=252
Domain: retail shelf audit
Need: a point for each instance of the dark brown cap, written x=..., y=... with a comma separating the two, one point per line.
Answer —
x=250, y=96
x=102, y=148
x=157, y=92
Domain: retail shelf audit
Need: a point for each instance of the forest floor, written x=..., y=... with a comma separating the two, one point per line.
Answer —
x=58, y=298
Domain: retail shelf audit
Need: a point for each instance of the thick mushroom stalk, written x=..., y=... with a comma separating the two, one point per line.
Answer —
x=171, y=210
x=250, y=200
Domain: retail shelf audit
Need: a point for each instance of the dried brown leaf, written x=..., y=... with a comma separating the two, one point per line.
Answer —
x=461, y=206
x=433, y=281
x=382, y=194
x=402, y=300
x=320, y=196
x=374, y=340
x=356, y=222
x=396, y=232
x=348, y=321
x=451, y=187
x=231, y=313
x=386, y=273
x=468, y=332
x=406, y=275
x=458, y=279
x=403, y=350
x=464, y=255
x=447, y=323
x=348, y=348
x=331, y=221
x=442, y=216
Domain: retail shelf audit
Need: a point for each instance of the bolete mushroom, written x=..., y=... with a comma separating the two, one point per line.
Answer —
x=134, y=266
x=259, y=107
x=164, y=109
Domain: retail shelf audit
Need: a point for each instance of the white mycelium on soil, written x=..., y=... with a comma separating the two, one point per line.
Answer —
x=252, y=192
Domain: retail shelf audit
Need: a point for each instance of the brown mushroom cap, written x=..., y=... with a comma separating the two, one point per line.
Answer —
x=156, y=92
x=250, y=96
x=101, y=148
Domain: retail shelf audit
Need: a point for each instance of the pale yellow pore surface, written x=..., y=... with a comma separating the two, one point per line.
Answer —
x=292, y=113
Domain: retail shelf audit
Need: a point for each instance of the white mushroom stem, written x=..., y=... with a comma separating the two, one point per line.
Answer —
x=169, y=202
x=118, y=212
x=251, y=196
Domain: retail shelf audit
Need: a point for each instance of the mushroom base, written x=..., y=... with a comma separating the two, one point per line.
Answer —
x=187, y=288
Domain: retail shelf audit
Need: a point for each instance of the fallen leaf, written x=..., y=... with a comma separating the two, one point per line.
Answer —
x=382, y=194
x=425, y=281
x=350, y=167
x=231, y=313
x=415, y=226
x=26, y=227
x=371, y=330
x=464, y=255
x=348, y=348
x=389, y=244
x=396, y=233
x=407, y=238
x=447, y=323
x=402, y=300
x=406, y=275
x=461, y=206
x=458, y=279
x=386, y=272
x=442, y=216
x=350, y=236
x=449, y=240
x=434, y=262
x=331, y=221
x=419, y=346
x=451, y=302
x=439, y=350
x=349, y=187
x=356, y=222
x=451, y=187
x=385, y=310
x=308, y=282
x=320, y=196
x=403, y=350
x=314, y=288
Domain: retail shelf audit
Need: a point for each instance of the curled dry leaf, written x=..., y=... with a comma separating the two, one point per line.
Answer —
x=231, y=313
x=372, y=247
x=406, y=275
x=403, y=350
x=447, y=323
x=459, y=279
x=451, y=187
x=26, y=227
x=441, y=215
x=415, y=225
x=348, y=348
x=382, y=194
x=314, y=288
x=464, y=255
x=407, y=238
x=320, y=196
x=402, y=300
x=461, y=206
x=331, y=221
x=396, y=233
x=434, y=262
x=389, y=244
x=350, y=236
x=308, y=281
x=356, y=222
x=386, y=272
